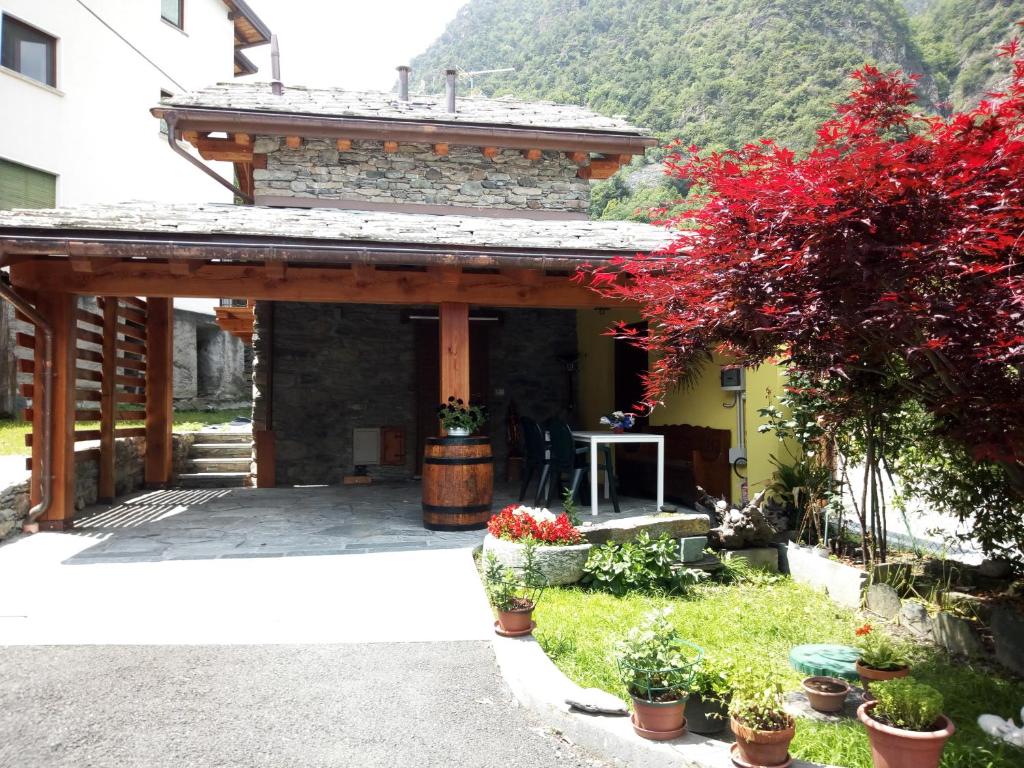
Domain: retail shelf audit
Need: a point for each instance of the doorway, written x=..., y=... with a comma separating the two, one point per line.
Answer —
x=630, y=365
x=428, y=377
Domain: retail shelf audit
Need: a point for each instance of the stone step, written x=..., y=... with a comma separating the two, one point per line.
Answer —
x=219, y=464
x=223, y=437
x=220, y=450
x=212, y=480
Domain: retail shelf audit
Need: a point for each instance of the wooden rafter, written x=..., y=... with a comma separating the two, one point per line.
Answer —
x=361, y=284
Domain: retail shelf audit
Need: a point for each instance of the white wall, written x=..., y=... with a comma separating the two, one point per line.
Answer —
x=95, y=130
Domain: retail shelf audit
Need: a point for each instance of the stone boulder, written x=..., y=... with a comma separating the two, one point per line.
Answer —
x=558, y=565
x=676, y=525
x=882, y=600
x=956, y=635
x=1008, y=636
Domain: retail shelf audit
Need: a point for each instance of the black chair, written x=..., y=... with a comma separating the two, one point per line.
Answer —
x=535, y=460
x=572, y=460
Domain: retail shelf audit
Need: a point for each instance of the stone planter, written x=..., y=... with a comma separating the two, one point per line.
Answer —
x=558, y=565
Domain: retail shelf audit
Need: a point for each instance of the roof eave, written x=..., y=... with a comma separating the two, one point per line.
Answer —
x=117, y=244
x=244, y=64
x=319, y=126
x=242, y=8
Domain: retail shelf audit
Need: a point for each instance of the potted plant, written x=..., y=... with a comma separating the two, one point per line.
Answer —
x=826, y=694
x=459, y=419
x=881, y=657
x=514, y=593
x=656, y=666
x=707, y=708
x=763, y=727
x=560, y=552
x=905, y=724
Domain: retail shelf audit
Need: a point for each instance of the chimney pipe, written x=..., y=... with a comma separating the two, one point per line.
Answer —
x=403, y=83
x=275, y=67
x=450, y=76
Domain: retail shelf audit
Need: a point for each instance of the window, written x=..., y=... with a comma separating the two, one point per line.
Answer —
x=24, y=187
x=27, y=50
x=173, y=12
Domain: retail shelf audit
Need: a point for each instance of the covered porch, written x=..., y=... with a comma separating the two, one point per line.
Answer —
x=442, y=271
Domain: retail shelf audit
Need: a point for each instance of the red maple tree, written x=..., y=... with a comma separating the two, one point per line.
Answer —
x=886, y=263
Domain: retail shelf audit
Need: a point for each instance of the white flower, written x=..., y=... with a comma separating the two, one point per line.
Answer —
x=720, y=505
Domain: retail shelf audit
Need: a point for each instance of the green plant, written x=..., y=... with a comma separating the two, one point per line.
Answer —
x=757, y=700
x=905, y=703
x=642, y=564
x=655, y=663
x=880, y=651
x=569, y=506
x=509, y=589
x=712, y=678
x=455, y=414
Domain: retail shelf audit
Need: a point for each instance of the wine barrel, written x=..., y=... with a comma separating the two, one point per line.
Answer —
x=458, y=483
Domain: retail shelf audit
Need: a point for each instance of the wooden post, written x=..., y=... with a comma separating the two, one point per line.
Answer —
x=107, y=489
x=263, y=411
x=454, y=348
x=59, y=309
x=159, y=391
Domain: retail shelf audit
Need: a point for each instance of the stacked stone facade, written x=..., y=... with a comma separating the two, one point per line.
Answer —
x=465, y=177
x=337, y=367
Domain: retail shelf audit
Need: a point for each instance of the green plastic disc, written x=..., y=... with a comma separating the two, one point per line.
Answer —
x=825, y=659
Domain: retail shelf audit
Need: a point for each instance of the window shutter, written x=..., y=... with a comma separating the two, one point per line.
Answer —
x=22, y=187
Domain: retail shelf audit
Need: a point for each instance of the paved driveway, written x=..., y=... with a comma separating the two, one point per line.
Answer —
x=279, y=706
x=250, y=628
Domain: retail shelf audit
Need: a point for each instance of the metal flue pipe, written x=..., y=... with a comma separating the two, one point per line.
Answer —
x=275, y=67
x=403, y=82
x=45, y=440
x=450, y=78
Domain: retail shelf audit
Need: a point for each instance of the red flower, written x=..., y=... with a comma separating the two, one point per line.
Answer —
x=861, y=631
x=513, y=526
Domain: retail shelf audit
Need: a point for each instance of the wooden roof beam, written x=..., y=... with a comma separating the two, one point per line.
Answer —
x=343, y=145
x=532, y=154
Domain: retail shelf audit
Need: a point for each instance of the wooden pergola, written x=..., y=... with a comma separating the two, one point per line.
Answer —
x=122, y=252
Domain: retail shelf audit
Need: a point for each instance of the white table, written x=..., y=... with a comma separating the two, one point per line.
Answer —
x=594, y=439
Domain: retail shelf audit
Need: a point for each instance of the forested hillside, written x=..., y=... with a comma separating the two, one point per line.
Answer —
x=716, y=73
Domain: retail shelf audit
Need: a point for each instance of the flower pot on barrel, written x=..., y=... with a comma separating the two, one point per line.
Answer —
x=905, y=724
x=514, y=592
x=657, y=666
x=881, y=657
x=458, y=471
x=760, y=722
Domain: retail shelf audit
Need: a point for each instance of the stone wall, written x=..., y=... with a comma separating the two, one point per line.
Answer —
x=209, y=363
x=338, y=367
x=414, y=174
x=129, y=467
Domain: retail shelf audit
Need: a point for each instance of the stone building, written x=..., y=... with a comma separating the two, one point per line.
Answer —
x=393, y=251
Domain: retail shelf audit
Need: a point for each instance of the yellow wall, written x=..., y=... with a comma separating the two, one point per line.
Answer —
x=702, y=405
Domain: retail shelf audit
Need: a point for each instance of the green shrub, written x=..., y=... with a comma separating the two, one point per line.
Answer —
x=642, y=564
x=907, y=704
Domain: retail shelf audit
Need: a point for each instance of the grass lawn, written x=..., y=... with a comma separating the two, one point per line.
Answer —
x=12, y=432
x=756, y=624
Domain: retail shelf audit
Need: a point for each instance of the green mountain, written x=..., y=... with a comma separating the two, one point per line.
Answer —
x=957, y=38
x=717, y=73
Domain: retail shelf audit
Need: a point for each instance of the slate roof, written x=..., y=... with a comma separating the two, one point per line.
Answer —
x=564, y=237
x=337, y=102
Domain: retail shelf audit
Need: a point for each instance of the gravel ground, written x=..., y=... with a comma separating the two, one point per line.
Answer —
x=384, y=704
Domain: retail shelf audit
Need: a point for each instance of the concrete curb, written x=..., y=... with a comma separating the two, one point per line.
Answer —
x=542, y=688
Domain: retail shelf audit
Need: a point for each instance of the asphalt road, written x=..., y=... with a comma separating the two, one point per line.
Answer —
x=383, y=704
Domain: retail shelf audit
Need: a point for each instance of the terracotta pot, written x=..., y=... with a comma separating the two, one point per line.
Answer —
x=897, y=748
x=870, y=675
x=515, y=621
x=706, y=715
x=764, y=749
x=658, y=717
x=826, y=701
